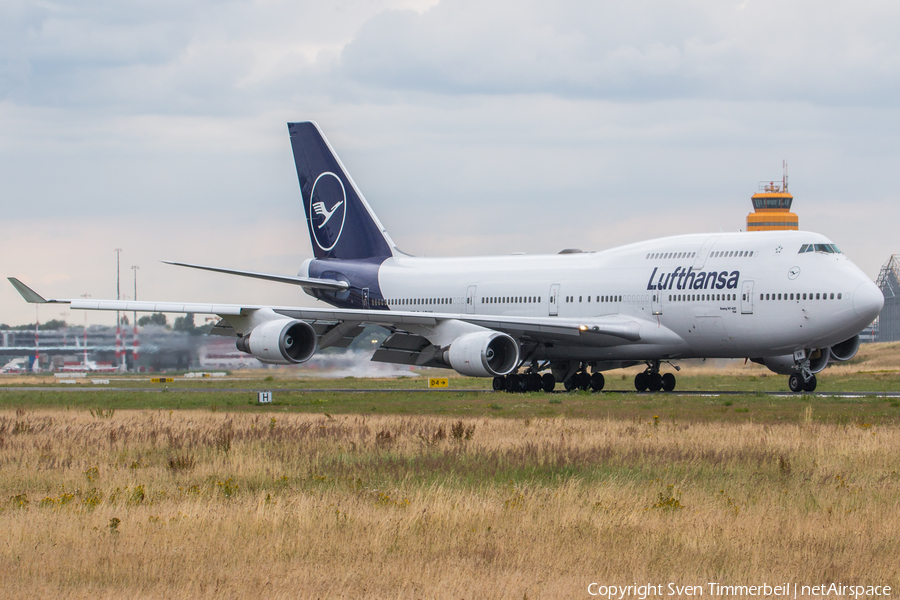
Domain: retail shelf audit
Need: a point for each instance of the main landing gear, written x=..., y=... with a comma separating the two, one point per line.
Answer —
x=582, y=380
x=653, y=381
x=574, y=376
x=802, y=379
x=526, y=382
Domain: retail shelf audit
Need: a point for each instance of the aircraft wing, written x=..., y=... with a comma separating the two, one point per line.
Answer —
x=601, y=331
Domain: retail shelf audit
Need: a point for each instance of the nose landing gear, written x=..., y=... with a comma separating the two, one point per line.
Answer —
x=798, y=384
x=802, y=379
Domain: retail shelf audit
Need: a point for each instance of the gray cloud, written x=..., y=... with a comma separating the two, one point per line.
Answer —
x=159, y=127
x=635, y=51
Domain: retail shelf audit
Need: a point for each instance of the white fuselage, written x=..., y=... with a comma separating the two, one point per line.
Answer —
x=717, y=295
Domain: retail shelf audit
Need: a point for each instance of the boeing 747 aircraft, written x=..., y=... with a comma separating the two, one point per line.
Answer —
x=787, y=299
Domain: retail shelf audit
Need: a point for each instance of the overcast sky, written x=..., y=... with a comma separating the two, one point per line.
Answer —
x=472, y=127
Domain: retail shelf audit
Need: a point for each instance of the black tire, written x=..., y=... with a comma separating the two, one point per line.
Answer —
x=499, y=384
x=810, y=386
x=668, y=382
x=640, y=382
x=548, y=382
x=571, y=383
x=534, y=382
x=584, y=381
x=795, y=382
x=597, y=382
x=512, y=383
x=654, y=382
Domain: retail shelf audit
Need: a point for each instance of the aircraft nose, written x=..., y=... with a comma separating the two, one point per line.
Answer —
x=867, y=301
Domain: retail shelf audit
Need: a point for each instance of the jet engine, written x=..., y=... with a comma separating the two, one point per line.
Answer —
x=281, y=342
x=846, y=349
x=483, y=354
x=784, y=365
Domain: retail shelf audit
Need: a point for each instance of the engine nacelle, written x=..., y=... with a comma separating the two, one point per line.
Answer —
x=846, y=349
x=281, y=342
x=784, y=365
x=483, y=354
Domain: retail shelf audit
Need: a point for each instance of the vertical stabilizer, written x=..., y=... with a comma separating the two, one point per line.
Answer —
x=341, y=223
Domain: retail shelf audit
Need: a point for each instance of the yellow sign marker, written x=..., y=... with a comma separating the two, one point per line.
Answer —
x=438, y=382
x=161, y=380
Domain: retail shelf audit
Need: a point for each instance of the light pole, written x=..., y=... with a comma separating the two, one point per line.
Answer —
x=84, y=333
x=120, y=353
x=134, y=336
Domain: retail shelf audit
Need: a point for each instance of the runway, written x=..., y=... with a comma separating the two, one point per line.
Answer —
x=711, y=394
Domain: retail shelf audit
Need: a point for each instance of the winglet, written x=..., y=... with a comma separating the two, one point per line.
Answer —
x=29, y=294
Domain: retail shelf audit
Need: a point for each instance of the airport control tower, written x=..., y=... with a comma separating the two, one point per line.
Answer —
x=772, y=207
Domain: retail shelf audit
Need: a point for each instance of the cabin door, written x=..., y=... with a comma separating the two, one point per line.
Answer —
x=554, y=300
x=470, y=299
x=747, y=298
x=656, y=303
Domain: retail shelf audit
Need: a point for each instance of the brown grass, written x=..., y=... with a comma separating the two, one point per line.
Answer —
x=186, y=504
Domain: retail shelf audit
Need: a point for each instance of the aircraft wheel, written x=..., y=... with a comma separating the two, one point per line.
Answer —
x=584, y=381
x=512, y=383
x=548, y=382
x=534, y=382
x=654, y=382
x=571, y=383
x=668, y=382
x=499, y=384
x=810, y=386
x=795, y=382
x=640, y=382
x=597, y=382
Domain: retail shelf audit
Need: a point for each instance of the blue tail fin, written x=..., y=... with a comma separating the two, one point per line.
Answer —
x=341, y=223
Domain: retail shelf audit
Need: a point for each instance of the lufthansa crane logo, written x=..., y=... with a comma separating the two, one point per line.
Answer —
x=327, y=210
x=794, y=273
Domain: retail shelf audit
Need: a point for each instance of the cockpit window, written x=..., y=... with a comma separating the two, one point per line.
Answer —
x=825, y=248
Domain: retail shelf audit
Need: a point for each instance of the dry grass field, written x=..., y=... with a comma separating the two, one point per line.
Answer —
x=184, y=504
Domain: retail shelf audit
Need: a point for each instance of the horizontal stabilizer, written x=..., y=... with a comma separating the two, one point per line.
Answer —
x=310, y=282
